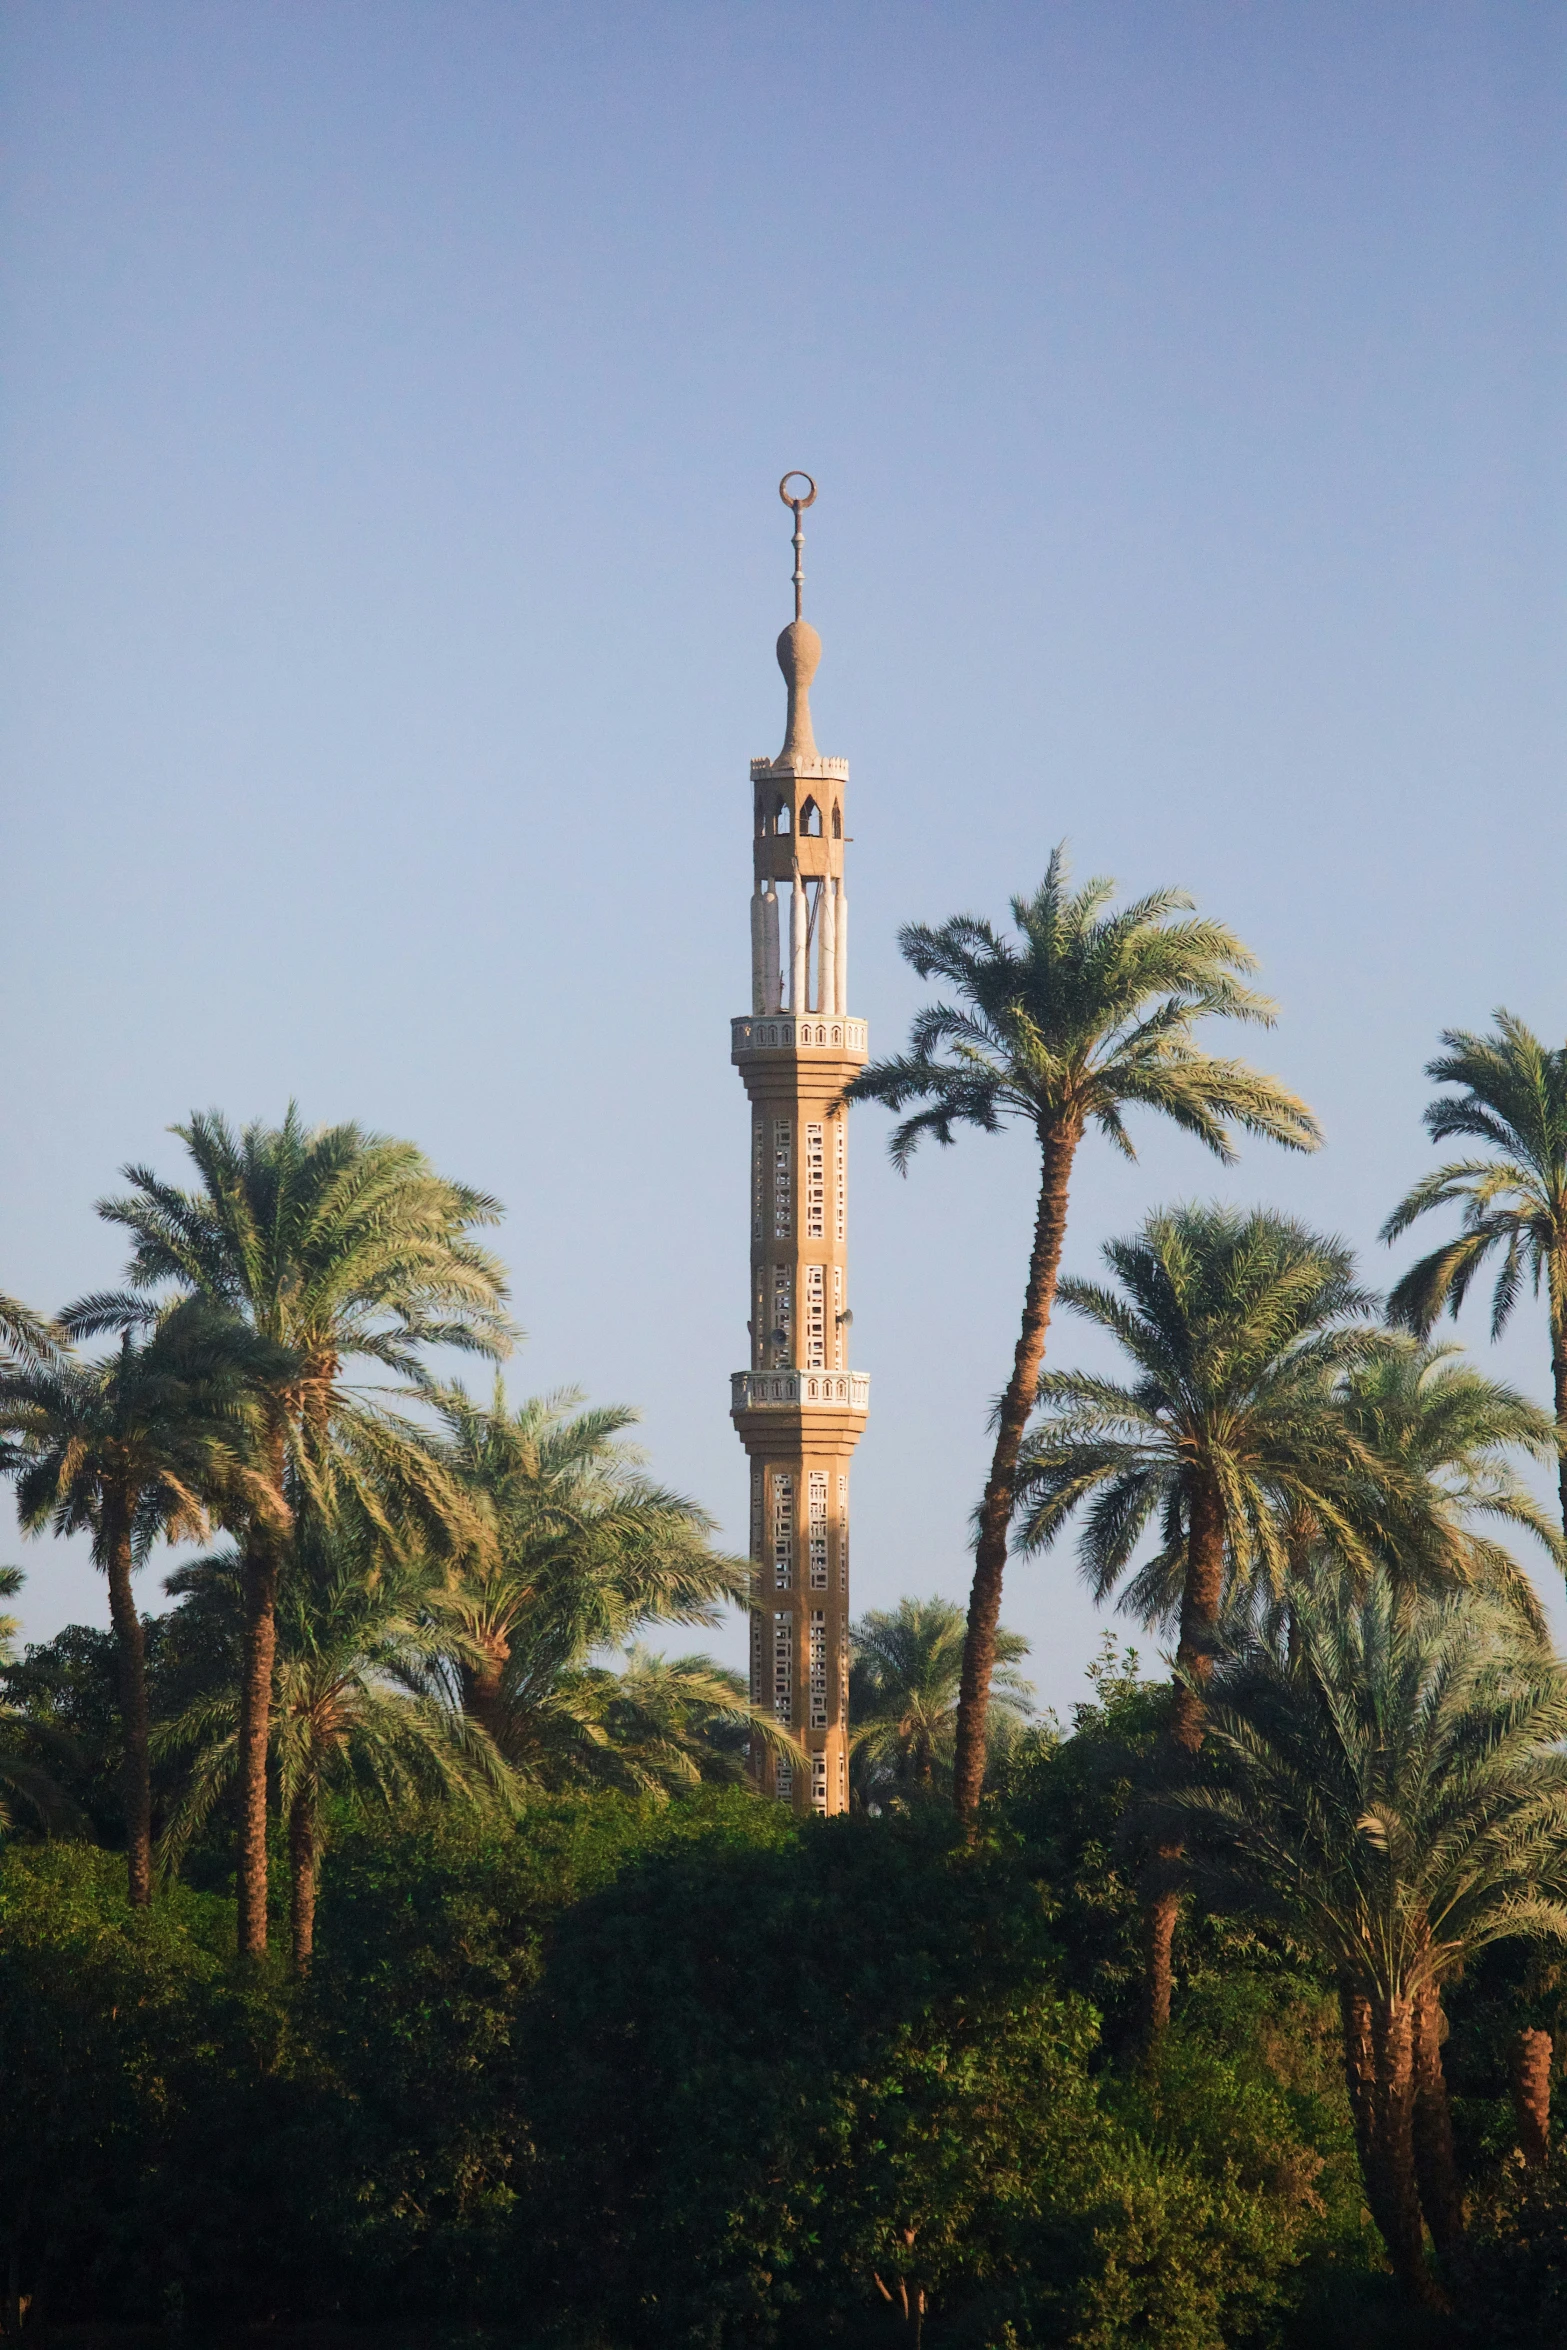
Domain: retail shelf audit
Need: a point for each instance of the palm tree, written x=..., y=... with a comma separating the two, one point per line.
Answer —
x=1445, y=1431
x=1091, y=1014
x=1394, y=1796
x=1514, y=1101
x=354, y=1631
x=903, y=1691
x=1237, y=1326
x=581, y=1549
x=334, y=1246
x=660, y=1724
x=1438, y=1434
x=25, y=1337
x=134, y=1449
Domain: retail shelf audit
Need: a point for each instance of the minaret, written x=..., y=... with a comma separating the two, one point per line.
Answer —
x=799, y=1408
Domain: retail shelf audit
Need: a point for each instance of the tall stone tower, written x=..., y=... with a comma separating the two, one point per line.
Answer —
x=799, y=1408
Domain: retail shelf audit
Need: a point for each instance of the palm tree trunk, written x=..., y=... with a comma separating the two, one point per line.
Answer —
x=1360, y=2079
x=1392, y=2032
x=482, y=1684
x=1558, y=1300
x=1058, y=1147
x=1531, y=2086
x=1436, y=2159
x=1201, y=1597
x=302, y=1857
x=133, y=1709
x=259, y=1573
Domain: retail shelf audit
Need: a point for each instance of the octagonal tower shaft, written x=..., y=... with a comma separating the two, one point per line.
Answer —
x=799, y=1407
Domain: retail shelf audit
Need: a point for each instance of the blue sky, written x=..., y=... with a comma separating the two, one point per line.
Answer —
x=392, y=560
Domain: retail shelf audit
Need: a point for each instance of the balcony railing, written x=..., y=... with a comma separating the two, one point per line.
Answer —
x=783, y=1032
x=830, y=1390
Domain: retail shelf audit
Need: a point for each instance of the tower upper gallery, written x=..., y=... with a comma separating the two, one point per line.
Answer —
x=799, y=834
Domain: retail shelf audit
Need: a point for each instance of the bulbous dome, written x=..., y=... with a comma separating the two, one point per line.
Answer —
x=799, y=650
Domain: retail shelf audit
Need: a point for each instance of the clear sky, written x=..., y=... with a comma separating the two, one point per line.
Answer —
x=394, y=403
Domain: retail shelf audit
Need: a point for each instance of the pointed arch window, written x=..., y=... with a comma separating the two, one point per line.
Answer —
x=781, y=817
x=837, y=821
x=811, y=821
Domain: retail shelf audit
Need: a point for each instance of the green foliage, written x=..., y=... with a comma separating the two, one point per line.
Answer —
x=1396, y=1792
x=1512, y=1098
x=903, y=1697
x=636, y=2073
x=1519, y=2253
x=579, y=1551
x=1088, y=1014
x=768, y=2078
x=1235, y=1327
x=65, y=1693
x=149, y=2087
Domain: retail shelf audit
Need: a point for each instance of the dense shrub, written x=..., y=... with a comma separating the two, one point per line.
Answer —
x=773, y=2086
x=635, y=2076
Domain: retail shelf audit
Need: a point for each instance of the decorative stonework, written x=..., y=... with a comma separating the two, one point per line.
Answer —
x=754, y=1033
x=842, y=1390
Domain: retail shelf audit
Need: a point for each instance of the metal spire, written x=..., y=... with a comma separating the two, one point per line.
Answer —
x=799, y=505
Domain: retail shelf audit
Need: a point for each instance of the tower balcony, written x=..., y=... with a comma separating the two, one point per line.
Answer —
x=788, y=1032
x=835, y=1391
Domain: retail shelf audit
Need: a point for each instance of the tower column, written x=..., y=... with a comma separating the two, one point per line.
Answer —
x=827, y=948
x=798, y=1409
x=799, y=936
x=772, y=995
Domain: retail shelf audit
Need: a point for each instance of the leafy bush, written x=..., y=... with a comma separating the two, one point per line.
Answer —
x=780, y=2091
x=629, y=2074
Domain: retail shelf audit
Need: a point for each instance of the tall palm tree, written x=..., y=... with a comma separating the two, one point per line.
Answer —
x=1237, y=1326
x=904, y=1685
x=1089, y=1014
x=1397, y=1797
x=354, y=1630
x=1514, y=1101
x=580, y=1551
x=334, y=1246
x=134, y=1449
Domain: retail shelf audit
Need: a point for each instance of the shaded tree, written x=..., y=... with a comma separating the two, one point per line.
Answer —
x=133, y=1450
x=1397, y=1798
x=354, y=1630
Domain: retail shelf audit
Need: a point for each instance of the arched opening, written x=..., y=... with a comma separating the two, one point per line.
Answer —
x=761, y=815
x=837, y=821
x=781, y=817
x=811, y=821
